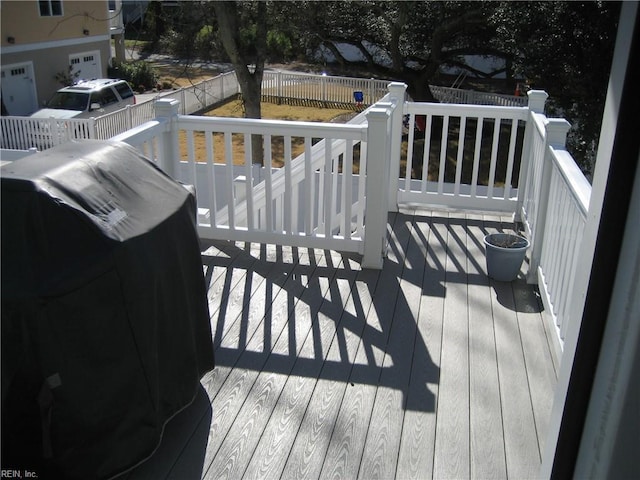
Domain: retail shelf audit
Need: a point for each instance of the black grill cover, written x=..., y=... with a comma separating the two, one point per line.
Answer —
x=105, y=322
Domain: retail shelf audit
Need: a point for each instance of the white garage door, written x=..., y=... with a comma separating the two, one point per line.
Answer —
x=18, y=89
x=87, y=63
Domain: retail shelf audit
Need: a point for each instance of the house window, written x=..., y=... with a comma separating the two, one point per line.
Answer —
x=50, y=8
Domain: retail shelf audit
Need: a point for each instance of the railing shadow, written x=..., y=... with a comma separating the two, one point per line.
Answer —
x=315, y=316
x=370, y=306
x=296, y=312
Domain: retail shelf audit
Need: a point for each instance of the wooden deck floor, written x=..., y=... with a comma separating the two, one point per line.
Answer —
x=426, y=369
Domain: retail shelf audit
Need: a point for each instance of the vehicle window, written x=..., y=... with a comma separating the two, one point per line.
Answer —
x=69, y=101
x=124, y=90
x=104, y=97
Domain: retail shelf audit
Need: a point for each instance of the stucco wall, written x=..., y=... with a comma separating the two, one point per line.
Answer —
x=21, y=20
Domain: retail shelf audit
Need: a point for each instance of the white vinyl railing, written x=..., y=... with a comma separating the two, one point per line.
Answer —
x=554, y=213
x=297, y=169
x=314, y=201
x=23, y=133
x=565, y=222
x=467, y=156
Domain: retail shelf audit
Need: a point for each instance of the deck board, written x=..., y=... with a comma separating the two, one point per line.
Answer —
x=415, y=460
x=452, y=420
x=487, y=442
x=271, y=311
x=356, y=380
x=426, y=369
x=282, y=429
x=385, y=429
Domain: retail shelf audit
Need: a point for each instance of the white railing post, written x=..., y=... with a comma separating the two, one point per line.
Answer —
x=167, y=110
x=537, y=100
x=397, y=95
x=93, y=128
x=555, y=136
x=375, y=223
x=129, y=116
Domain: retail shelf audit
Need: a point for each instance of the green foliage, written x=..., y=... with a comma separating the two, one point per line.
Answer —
x=279, y=45
x=205, y=35
x=138, y=73
x=564, y=48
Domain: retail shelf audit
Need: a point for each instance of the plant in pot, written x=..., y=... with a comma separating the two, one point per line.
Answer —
x=504, y=255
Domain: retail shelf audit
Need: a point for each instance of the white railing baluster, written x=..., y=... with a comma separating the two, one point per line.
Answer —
x=426, y=155
x=309, y=187
x=248, y=162
x=211, y=178
x=494, y=157
x=288, y=186
x=228, y=155
x=328, y=190
x=459, y=156
x=476, y=157
x=363, y=169
x=347, y=190
x=409, y=161
x=268, y=162
x=511, y=160
x=191, y=159
x=444, y=142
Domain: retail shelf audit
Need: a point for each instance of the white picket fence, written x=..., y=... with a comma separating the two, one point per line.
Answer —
x=471, y=97
x=284, y=85
x=22, y=133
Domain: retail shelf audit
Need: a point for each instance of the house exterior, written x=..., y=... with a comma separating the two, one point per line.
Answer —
x=43, y=38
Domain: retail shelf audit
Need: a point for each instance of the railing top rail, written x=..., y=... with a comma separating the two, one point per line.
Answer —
x=460, y=91
x=539, y=121
x=293, y=73
x=273, y=127
x=573, y=177
x=68, y=121
x=466, y=110
x=141, y=133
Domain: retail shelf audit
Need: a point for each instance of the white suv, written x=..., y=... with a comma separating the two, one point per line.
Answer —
x=88, y=98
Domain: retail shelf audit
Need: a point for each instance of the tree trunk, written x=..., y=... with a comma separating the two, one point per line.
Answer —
x=249, y=71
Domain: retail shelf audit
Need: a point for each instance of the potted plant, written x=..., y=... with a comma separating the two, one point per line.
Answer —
x=504, y=255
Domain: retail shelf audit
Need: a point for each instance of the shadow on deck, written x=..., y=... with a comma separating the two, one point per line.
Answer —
x=426, y=369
